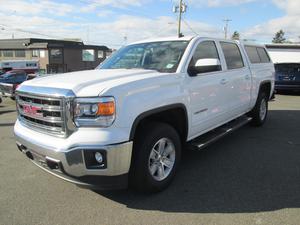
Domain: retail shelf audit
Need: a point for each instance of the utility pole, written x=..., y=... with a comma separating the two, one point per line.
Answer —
x=181, y=8
x=226, y=27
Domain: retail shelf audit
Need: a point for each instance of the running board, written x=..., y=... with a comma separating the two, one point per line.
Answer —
x=214, y=135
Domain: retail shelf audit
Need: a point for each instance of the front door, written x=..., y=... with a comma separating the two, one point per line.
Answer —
x=207, y=91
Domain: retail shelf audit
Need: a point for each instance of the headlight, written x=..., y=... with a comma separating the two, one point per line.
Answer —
x=94, y=112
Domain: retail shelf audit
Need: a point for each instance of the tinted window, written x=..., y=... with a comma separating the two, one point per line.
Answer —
x=232, y=55
x=252, y=54
x=263, y=55
x=288, y=69
x=205, y=50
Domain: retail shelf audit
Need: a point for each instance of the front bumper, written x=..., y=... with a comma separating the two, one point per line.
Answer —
x=70, y=165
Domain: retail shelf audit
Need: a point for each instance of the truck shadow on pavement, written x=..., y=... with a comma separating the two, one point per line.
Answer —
x=6, y=111
x=252, y=170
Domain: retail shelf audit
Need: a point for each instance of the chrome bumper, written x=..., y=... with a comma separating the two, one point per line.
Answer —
x=70, y=164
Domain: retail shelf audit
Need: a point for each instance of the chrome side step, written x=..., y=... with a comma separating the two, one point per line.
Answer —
x=214, y=135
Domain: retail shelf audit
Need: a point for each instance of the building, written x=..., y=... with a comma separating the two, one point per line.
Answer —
x=54, y=56
x=284, y=53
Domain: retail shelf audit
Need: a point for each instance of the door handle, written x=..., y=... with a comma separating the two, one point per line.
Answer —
x=224, y=81
x=247, y=77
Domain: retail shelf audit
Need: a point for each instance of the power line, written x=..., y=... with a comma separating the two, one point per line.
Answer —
x=29, y=32
x=189, y=26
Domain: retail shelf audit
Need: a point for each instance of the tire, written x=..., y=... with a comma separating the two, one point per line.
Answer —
x=260, y=111
x=147, y=166
x=0, y=100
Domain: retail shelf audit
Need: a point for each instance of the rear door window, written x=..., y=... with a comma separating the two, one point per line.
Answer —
x=263, y=55
x=252, y=54
x=233, y=56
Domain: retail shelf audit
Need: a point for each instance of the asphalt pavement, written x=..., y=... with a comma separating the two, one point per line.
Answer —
x=249, y=177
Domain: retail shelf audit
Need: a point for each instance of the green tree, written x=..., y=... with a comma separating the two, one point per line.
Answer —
x=235, y=35
x=279, y=37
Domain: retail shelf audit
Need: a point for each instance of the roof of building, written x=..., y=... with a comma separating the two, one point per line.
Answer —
x=37, y=43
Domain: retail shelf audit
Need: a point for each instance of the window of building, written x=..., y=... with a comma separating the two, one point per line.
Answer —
x=108, y=54
x=88, y=55
x=100, y=54
x=252, y=54
x=56, y=56
x=20, y=53
x=42, y=53
x=232, y=55
x=263, y=55
x=8, y=53
x=35, y=53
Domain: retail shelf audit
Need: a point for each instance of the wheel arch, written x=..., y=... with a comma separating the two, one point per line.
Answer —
x=266, y=86
x=167, y=114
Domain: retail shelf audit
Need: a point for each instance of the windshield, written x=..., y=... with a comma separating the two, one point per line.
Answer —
x=159, y=56
x=6, y=75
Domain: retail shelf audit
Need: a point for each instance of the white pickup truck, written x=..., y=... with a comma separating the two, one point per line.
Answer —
x=127, y=121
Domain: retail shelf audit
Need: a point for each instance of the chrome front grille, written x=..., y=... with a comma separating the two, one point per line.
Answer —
x=46, y=114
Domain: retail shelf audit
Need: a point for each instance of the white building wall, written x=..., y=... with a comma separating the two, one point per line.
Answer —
x=284, y=55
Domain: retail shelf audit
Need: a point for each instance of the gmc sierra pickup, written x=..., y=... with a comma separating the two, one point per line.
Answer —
x=126, y=122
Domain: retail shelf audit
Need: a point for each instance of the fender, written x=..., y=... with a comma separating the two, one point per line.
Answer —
x=155, y=111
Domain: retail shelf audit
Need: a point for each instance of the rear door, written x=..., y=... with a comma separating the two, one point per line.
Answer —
x=237, y=82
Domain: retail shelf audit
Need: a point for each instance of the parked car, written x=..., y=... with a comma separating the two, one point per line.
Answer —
x=9, y=81
x=287, y=77
x=128, y=120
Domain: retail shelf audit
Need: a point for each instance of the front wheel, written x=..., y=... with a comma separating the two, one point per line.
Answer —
x=260, y=111
x=157, y=152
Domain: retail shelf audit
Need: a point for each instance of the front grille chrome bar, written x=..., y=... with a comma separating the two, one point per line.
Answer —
x=47, y=114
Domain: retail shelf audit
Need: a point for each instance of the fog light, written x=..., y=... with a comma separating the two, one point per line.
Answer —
x=99, y=157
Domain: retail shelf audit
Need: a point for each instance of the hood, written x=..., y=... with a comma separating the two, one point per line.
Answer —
x=91, y=82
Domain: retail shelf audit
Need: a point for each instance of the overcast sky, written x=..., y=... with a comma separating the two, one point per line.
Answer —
x=109, y=21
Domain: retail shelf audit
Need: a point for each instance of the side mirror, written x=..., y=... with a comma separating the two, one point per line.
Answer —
x=205, y=66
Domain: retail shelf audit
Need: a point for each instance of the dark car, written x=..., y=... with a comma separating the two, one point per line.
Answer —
x=9, y=81
x=287, y=77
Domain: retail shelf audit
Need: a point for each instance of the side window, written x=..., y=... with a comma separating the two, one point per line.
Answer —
x=205, y=50
x=252, y=54
x=263, y=55
x=232, y=55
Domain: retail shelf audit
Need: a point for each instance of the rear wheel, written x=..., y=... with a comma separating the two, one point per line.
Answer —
x=260, y=111
x=157, y=152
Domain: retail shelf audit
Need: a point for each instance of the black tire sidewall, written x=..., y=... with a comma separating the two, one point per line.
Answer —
x=257, y=121
x=142, y=148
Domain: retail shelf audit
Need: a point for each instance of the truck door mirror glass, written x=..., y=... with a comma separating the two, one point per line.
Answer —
x=205, y=66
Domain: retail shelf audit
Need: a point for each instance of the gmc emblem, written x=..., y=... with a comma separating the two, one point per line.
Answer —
x=32, y=110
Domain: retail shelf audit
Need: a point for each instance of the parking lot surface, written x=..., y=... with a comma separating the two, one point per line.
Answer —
x=249, y=177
